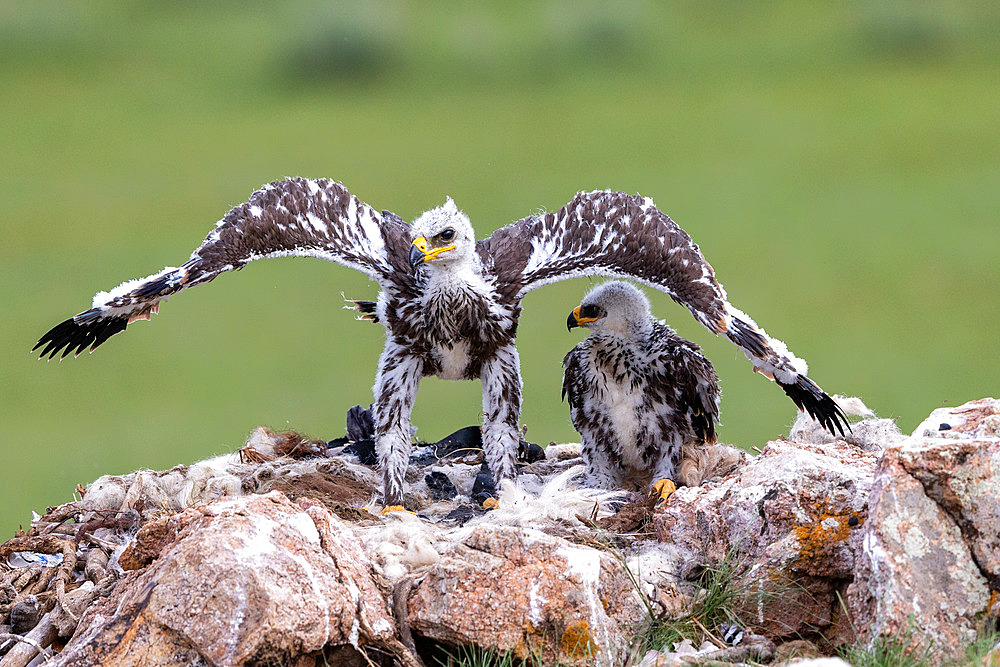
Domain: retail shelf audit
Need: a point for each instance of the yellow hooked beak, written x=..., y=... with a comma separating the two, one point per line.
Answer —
x=575, y=319
x=420, y=254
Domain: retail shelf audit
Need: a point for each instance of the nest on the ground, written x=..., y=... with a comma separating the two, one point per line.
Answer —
x=77, y=552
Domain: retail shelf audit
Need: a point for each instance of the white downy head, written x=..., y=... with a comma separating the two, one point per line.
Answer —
x=443, y=238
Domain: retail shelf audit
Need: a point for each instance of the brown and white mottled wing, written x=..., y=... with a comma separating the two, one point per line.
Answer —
x=616, y=234
x=294, y=217
x=605, y=233
x=680, y=376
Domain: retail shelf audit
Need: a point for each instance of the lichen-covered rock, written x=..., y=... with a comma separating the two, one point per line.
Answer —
x=930, y=548
x=518, y=589
x=961, y=476
x=916, y=574
x=796, y=504
x=975, y=419
x=266, y=558
x=959, y=468
x=789, y=521
x=247, y=580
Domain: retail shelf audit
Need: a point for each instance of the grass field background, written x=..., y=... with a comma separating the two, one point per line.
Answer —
x=838, y=164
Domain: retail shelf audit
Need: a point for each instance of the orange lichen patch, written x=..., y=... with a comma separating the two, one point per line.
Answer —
x=828, y=529
x=577, y=641
x=522, y=647
x=993, y=606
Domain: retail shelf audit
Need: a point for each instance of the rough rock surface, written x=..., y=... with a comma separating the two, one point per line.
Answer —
x=543, y=596
x=273, y=556
x=929, y=566
x=959, y=468
x=248, y=580
x=909, y=538
x=790, y=520
x=915, y=571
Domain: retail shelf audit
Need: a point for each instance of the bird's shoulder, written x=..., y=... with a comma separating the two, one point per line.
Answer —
x=663, y=340
x=676, y=355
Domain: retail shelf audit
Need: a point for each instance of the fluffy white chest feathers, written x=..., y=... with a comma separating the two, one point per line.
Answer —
x=454, y=359
x=455, y=306
x=622, y=403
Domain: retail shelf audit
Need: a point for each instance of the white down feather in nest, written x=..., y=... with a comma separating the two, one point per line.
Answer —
x=170, y=490
x=202, y=482
x=402, y=543
x=871, y=434
x=654, y=563
x=557, y=501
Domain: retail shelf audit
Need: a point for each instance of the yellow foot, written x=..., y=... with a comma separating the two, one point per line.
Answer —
x=392, y=508
x=664, y=488
x=491, y=503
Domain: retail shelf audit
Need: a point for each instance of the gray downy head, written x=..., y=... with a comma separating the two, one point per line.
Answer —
x=613, y=307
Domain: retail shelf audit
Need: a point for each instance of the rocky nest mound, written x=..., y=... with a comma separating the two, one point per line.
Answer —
x=273, y=555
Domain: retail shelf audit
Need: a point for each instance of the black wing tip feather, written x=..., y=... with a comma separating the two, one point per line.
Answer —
x=368, y=309
x=73, y=335
x=748, y=338
x=807, y=396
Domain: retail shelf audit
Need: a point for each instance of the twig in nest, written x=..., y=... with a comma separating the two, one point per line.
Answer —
x=250, y=454
x=400, y=611
x=715, y=640
x=55, y=517
x=19, y=578
x=400, y=595
x=47, y=544
x=119, y=521
x=367, y=659
x=41, y=585
x=10, y=636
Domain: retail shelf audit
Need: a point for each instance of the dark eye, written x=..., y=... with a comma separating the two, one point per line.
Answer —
x=447, y=235
x=592, y=311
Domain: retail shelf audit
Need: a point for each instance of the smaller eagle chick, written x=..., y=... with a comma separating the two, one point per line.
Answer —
x=639, y=394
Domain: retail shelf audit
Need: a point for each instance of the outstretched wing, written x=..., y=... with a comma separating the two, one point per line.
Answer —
x=297, y=216
x=615, y=234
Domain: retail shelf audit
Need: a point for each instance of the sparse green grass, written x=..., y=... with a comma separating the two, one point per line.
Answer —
x=899, y=651
x=906, y=649
x=721, y=594
x=987, y=639
x=838, y=165
x=474, y=656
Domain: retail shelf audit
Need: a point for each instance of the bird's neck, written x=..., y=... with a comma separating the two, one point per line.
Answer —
x=456, y=276
x=627, y=333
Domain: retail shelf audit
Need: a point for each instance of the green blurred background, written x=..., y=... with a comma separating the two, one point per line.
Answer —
x=838, y=163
